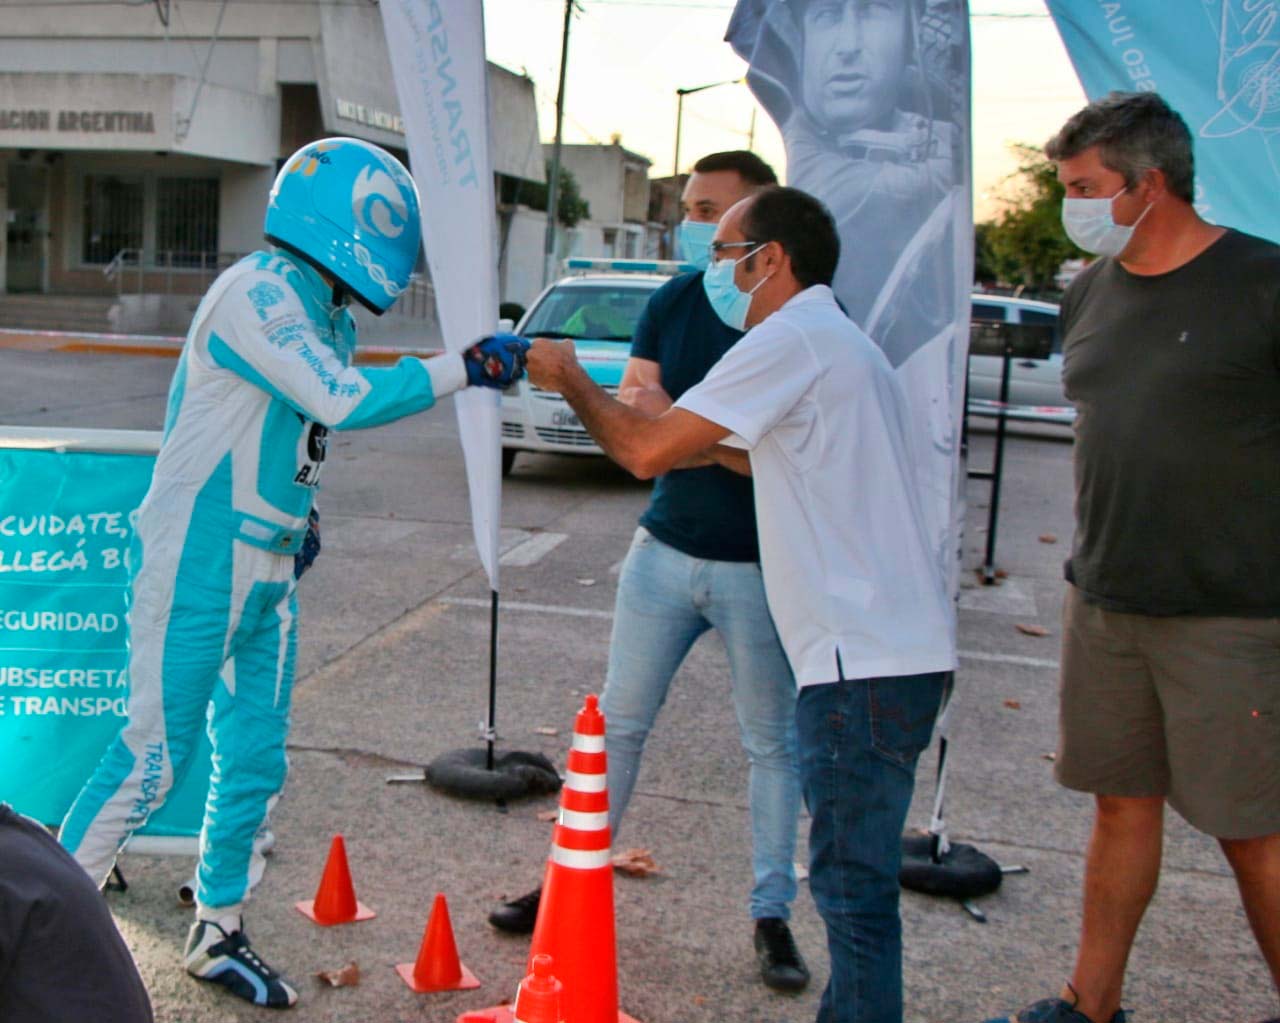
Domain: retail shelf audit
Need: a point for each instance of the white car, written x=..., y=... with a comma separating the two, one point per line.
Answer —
x=1035, y=385
x=598, y=306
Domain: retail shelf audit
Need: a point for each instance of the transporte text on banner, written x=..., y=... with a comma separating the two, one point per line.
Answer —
x=66, y=523
x=890, y=159
x=438, y=62
x=1216, y=62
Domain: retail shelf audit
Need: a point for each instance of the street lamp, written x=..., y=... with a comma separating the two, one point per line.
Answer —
x=680, y=95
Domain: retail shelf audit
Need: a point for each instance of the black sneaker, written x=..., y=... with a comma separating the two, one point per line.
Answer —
x=781, y=966
x=221, y=958
x=519, y=915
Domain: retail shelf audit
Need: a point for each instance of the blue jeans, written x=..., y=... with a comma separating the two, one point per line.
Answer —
x=859, y=741
x=666, y=600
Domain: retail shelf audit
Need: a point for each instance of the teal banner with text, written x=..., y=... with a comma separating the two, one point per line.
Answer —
x=65, y=530
x=1216, y=62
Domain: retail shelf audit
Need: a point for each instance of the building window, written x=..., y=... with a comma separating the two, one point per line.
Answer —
x=112, y=216
x=186, y=221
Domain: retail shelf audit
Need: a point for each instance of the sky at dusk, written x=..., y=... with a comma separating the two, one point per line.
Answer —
x=628, y=57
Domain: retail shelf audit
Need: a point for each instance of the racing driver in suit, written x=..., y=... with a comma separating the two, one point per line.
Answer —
x=265, y=374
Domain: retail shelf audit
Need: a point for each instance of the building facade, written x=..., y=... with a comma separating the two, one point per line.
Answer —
x=615, y=184
x=138, y=143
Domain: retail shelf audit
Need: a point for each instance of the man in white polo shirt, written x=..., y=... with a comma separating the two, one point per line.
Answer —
x=857, y=599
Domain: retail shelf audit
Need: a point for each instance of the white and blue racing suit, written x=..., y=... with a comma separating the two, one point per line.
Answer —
x=264, y=375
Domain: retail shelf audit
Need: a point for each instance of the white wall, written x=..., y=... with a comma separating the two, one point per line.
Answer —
x=521, y=269
x=598, y=170
x=242, y=205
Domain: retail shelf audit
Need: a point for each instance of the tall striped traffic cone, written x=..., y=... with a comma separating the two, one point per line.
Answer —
x=575, y=914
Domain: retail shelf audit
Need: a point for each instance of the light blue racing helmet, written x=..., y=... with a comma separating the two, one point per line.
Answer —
x=350, y=209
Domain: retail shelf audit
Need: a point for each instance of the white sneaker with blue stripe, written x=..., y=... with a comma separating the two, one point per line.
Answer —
x=221, y=958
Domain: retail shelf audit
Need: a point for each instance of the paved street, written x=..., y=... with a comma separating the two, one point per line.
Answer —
x=393, y=671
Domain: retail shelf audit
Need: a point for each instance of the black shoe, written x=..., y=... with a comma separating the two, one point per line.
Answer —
x=781, y=966
x=519, y=915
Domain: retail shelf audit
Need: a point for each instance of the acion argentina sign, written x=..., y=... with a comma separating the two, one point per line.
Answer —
x=134, y=122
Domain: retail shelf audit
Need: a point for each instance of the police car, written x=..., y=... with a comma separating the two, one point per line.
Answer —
x=596, y=305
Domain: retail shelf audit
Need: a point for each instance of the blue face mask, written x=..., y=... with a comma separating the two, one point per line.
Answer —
x=693, y=242
x=729, y=301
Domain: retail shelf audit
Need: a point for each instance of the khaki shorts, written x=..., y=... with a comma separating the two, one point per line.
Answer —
x=1182, y=707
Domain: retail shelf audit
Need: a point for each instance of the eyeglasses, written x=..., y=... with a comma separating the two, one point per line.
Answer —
x=718, y=247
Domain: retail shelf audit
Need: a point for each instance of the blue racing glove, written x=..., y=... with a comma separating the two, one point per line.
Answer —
x=310, y=545
x=495, y=361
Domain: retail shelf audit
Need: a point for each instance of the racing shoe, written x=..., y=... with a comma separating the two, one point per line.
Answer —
x=519, y=915
x=214, y=955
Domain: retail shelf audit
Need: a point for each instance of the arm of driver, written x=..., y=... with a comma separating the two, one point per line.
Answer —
x=285, y=357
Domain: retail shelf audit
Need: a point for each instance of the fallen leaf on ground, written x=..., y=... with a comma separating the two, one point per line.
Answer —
x=1031, y=630
x=1001, y=574
x=547, y=730
x=1048, y=538
x=699, y=999
x=548, y=815
x=1049, y=756
x=635, y=862
x=347, y=976
x=1013, y=704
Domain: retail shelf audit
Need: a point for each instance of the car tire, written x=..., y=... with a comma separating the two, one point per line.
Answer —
x=508, y=460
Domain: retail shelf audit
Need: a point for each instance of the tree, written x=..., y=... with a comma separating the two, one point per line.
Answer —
x=572, y=207
x=1025, y=244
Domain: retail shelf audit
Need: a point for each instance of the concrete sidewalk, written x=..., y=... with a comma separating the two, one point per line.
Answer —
x=393, y=672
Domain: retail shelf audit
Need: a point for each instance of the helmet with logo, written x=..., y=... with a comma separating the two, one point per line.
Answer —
x=350, y=209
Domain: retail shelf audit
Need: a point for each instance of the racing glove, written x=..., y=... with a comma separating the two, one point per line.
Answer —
x=310, y=545
x=495, y=361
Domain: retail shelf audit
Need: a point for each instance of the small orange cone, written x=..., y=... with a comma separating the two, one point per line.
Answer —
x=335, y=901
x=539, y=998
x=575, y=916
x=437, y=967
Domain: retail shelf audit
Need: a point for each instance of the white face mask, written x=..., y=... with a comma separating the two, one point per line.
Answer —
x=1090, y=224
x=729, y=301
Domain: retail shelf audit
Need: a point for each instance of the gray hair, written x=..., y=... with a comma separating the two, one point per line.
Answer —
x=1135, y=132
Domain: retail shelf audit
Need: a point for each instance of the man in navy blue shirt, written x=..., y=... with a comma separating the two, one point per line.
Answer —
x=694, y=565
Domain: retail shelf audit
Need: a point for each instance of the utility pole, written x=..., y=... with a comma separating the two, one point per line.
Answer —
x=675, y=170
x=680, y=95
x=553, y=186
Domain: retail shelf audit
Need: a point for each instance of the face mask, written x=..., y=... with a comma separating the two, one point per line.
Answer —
x=1090, y=224
x=693, y=242
x=727, y=299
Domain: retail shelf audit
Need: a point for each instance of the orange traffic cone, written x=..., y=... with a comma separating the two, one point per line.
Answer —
x=437, y=967
x=538, y=1000
x=335, y=901
x=575, y=915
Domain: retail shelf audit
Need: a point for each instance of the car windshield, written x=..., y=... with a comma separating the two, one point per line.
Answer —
x=581, y=311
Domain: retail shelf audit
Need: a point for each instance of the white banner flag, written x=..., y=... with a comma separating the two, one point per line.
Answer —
x=873, y=106
x=438, y=62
